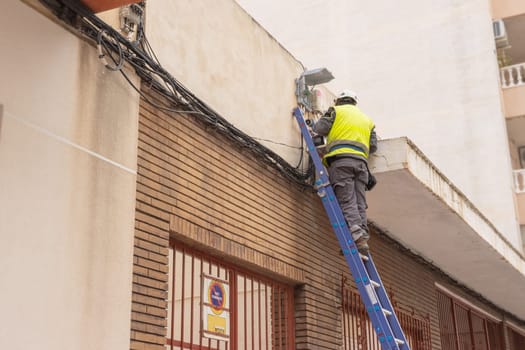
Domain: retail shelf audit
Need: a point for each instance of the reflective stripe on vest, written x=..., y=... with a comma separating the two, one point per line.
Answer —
x=347, y=145
x=350, y=132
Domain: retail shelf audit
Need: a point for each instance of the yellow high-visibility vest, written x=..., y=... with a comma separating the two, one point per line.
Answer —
x=350, y=132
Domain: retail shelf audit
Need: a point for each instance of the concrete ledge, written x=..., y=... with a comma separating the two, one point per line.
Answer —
x=421, y=208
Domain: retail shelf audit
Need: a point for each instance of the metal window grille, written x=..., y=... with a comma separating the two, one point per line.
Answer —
x=495, y=335
x=516, y=340
x=447, y=322
x=479, y=332
x=416, y=329
x=358, y=332
x=261, y=310
x=464, y=329
x=464, y=333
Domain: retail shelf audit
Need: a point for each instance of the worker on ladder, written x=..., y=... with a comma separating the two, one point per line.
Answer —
x=350, y=138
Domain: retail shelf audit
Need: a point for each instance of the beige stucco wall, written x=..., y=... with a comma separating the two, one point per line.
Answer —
x=422, y=69
x=68, y=142
x=507, y=8
x=224, y=57
x=514, y=100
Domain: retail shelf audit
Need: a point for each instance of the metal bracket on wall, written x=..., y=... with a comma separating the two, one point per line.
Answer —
x=130, y=19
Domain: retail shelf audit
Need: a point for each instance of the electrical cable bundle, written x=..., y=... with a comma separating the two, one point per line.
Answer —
x=140, y=55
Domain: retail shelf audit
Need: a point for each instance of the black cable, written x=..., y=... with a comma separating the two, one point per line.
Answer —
x=101, y=44
x=150, y=49
x=146, y=64
x=156, y=105
x=301, y=156
x=253, y=146
x=302, y=176
x=276, y=143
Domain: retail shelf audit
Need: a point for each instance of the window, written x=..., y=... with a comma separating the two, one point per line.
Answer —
x=359, y=334
x=261, y=310
x=463, y=328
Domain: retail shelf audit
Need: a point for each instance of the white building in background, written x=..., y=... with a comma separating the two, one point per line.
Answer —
x=427, y=70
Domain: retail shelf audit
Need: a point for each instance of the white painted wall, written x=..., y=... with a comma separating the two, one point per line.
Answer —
x=423, y=69
x=68, y=141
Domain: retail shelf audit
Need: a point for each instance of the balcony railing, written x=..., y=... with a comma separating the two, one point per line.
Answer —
x=513, y=75
x=519, y=180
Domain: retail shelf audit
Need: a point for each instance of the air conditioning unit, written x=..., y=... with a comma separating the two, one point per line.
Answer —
x=500, y=35
x=499, y=29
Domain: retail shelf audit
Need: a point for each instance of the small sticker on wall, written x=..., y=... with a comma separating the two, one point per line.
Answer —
x=215, y=308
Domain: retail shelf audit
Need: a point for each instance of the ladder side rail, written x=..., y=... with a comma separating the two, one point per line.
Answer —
x=362, y=279
x=353, y=259
x=385, y=301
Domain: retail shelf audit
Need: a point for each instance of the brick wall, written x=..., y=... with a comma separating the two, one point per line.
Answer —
x=196, y=186
x=407, y=281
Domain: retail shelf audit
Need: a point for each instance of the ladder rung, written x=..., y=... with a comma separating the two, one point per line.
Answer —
x=375, y=284
x=364, y=257
x=386, y=312
x=399, y=341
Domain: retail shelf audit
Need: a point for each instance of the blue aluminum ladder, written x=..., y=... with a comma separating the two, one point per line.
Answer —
x=366, y=277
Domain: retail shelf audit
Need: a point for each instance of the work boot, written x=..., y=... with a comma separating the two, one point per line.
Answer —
x=360, y=237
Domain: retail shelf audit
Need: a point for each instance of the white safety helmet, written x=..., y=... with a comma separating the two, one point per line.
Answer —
x=348, y=94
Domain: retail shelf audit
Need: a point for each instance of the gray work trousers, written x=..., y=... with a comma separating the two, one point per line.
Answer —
x=349, y=177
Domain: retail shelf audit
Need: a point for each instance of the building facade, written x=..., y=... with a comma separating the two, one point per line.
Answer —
x=509, y=19
x=68, y=178
x=121, y=204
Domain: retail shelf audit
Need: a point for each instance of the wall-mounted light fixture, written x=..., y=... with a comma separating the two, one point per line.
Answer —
x=305, y=83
